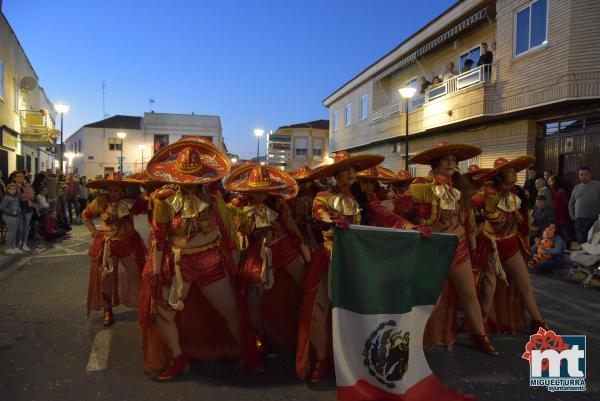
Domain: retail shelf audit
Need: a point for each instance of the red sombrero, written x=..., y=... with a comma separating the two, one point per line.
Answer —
x=377, y=173
x=190, y=160
x=343, y=161
x=257, y=178
x=402, y=177
x=501, y=164
x=146, y=181
x=113, y=180
x=198, y=139
x=301, y=174
x=443, y=148
x=474, y=170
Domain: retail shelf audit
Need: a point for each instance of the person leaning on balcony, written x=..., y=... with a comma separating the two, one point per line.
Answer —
x=423, y=84
x=467, y=66
x=486, y=55
x=584, y=205
x=436, y=81
x=449, y=71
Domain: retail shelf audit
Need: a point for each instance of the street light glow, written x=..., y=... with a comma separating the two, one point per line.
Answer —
x=407, y=92
x=234, y=160
x=122, y=135
x=61, y=108
x=259, y=132
x=142, y=147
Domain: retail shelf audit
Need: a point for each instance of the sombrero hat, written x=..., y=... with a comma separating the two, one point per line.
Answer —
x=146, y=181
x=301, y=174
x=402, y=177
x=190, y=160
x=474, y=170
x=258, y=178
x=343, y=161
x=501, y=164
x=377, y=173
x=113, y=180
x=443, y=148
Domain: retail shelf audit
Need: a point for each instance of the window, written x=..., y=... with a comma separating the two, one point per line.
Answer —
x=335, y=120
x=160, y=141
x=364, y=107
x=412, y=169
x=531, y=27
x=115, y=143
x=300, y=146
x=317, y=151
x=396, y=147
x=472, y=55
x=348, y=114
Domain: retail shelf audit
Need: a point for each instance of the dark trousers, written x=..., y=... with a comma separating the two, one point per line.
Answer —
x=582, y=226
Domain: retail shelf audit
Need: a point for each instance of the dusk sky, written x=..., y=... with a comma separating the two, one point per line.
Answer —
x=254, y=63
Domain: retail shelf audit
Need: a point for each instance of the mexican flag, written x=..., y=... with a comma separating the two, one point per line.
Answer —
x=385, y=283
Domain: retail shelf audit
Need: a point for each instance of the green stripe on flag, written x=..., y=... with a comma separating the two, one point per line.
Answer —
x=385, y=272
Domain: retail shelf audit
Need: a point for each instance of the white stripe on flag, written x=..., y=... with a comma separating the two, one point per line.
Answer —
x=350, y=332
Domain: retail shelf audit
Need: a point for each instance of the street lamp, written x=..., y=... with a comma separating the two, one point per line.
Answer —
x=61, y=109
x=258, y=132
x=234, y=160
x=142, y=146
x=122, y=135
x=406, y=93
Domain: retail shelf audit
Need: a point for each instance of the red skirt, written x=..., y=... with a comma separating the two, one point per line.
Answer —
x=203, y=332
x=125, y=283
x=283, y=253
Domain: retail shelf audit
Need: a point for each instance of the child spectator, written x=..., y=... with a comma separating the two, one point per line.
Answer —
x=42, y=202
x=548, y=251
x=11, y=212
x=51, y=232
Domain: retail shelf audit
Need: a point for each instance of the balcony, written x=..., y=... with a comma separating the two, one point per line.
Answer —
x=464, y=96
x=37, y=128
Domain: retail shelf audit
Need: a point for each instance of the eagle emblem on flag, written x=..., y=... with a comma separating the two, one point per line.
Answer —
x=386, y=353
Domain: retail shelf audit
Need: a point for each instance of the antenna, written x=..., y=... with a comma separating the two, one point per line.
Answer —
x=104, y=115
x=151, y=103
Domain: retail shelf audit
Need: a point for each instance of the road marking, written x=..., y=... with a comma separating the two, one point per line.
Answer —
x=60, y=255
x=100, y=348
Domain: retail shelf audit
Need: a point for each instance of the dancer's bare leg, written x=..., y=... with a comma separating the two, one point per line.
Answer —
x=464, y=283
x=165, y=321
x=516, y=269
x=296, y=270
x=488, y=287
x=221, y=296
x=318, y=327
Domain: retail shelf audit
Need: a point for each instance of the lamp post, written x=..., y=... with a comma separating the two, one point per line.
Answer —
x=258, y=132
x=61, y=109
x=406, y=93
x=122, y=136
x=142, y=146
x=234, y=160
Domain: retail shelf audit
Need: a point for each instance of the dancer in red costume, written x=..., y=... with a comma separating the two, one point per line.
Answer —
x=272, y=272
x=400, y=184
x=443, y=203
x=301, y=206
x=381, y=212
x=191, y=306
x=503, y=249
x=117, y=250
x=331, y=208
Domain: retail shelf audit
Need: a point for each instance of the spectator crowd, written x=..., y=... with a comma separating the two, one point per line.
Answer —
x=40, y=207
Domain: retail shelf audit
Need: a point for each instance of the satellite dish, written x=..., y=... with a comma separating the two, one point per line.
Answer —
x=28, y=83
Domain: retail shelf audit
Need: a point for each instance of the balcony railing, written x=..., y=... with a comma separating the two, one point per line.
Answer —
x=37, y=126
x=455, y=84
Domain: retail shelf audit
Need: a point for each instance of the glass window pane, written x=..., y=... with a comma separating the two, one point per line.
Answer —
x=522, y=40
x=474, y=55
x=551, y=128
x=348, y=114
x=335, y=121
x=363, y=107
x=571, y=125
x=538, y=22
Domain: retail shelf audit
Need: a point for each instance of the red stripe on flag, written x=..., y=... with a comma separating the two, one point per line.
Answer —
x=430, y=388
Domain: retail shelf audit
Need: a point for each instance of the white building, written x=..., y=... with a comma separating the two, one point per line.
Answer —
x=293, y=146
x=96, y=148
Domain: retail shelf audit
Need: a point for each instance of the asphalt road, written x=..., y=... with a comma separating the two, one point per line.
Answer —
x=46, y=341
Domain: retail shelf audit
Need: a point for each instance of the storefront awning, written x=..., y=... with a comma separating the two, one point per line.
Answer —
x=449, y=34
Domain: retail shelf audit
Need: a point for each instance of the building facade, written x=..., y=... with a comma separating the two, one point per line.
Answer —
x=540, y=95
x=27, y=117
x=292, y=146
x=103, y=146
